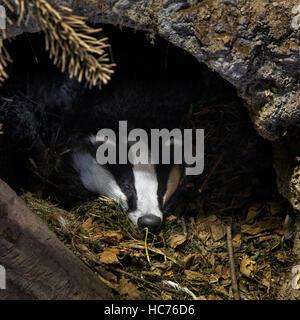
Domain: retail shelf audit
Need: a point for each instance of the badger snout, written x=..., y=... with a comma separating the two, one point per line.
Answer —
x=150, y=221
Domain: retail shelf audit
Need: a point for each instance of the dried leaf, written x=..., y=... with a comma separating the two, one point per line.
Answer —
x=211, y=226
x=213, y=278
x=165, y=296
x=218, y=231
x=253, y=212
x=82, y=247
x=222, y=256
x=113, y=237
x=156, y=273
x=266, y=280
x=261, y=226
x=188, y=260
x=168, y=274
x=166, y=265
x=237, y=238
x=214, y=297
x=269, y=237
x=226, y=282
x=281, y=257
x=218, y=269
x=223, y=271
x=171, y=218
x=193, y=275
x=247, y=266
x=127, y=290
x=109, y=276
x=88, y=224
x=223, y=290
x=212, y=218
x=204, y=235
x=176, y=240
x=211, y=259
x=109, y=255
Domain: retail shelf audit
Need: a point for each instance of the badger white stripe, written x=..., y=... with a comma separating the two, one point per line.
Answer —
x=146, y=186
x=97, y=179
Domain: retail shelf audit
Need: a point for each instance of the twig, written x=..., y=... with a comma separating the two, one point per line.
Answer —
x=139, y=245
x=71, y=42
x=210, y=173
x=183, y=226
x=132, y=276
x=232, y=266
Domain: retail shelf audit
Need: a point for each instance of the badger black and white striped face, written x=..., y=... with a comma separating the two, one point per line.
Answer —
x=143, y=190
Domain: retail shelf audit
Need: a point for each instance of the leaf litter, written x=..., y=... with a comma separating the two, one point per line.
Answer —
x=193, y=266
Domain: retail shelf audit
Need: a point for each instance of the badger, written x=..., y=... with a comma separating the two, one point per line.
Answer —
x=142, y=174
x=144, y=190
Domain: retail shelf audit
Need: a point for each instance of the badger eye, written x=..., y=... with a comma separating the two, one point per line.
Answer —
x=126, y=186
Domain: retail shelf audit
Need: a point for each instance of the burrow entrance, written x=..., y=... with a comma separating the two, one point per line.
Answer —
x=159, y=85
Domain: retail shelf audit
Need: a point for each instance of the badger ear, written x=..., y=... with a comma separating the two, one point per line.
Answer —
x=175, y=146
x=174, y=180
x=92, y=145
x=104, y=146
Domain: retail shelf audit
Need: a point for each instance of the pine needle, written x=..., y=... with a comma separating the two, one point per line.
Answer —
x=71, y=43
x=4, y=59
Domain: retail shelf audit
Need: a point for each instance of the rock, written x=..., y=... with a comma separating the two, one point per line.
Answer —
x=252, y=44
x=286, y=161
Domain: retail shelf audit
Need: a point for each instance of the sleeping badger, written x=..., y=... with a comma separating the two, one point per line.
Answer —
x=144, y=190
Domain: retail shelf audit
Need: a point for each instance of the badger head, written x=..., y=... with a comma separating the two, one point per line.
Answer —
x=143, y=190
